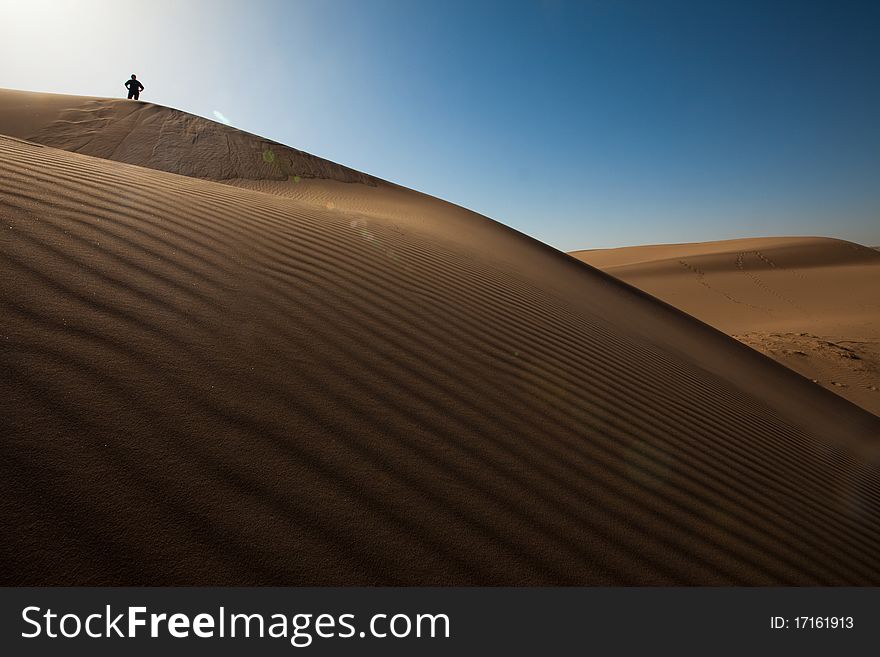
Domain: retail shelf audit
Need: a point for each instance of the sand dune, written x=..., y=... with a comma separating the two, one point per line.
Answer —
x=810, y=303
x=331, y=382
x=152, y=136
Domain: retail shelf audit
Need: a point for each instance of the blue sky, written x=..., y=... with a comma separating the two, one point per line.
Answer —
x=584, y=124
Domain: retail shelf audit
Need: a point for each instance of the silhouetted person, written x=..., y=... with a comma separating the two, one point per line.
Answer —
x=134, y=87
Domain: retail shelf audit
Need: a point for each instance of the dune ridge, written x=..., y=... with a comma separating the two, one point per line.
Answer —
x=208, y=384
x=160, y=138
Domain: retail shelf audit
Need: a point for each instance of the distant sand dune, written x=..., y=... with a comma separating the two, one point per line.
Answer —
x=350, y=383
x=810, y=303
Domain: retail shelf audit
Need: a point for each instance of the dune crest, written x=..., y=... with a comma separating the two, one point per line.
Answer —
x=207, y=384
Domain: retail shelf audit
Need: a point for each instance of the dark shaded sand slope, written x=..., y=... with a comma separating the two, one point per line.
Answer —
x=205, y=384
x=811, y=303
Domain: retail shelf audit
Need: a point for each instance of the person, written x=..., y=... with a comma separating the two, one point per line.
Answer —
x=134, y=87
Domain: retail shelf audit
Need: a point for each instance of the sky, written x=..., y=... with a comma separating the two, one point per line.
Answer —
x=585, y=124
